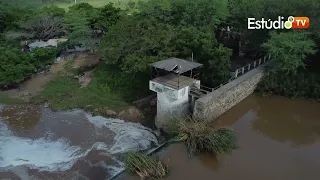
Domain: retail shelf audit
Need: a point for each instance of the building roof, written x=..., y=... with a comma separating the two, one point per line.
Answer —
x=176, y=65
x=43, y=44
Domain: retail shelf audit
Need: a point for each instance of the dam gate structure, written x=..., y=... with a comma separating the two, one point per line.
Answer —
x=173, y=82
x=180, y=94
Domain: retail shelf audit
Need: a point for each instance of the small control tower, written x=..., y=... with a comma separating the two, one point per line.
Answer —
x=174, y=78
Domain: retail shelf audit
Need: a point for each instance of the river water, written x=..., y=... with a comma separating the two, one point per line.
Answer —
x=39, y=144
x=278, y=139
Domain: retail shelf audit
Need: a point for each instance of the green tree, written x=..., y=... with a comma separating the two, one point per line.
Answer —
x=87, y=10
x=137, y=37
x=160, y=10
x=190, y=40
x=289, y=50
x=129, y=47
x=15, y=66
x=241, y=10
x=84, y=7
x=108, y=15
x=131, y=5
x=218, y=69
x=197, y=13
x=205, y=48
x=79, y=32
x=158, y=33
x=34, y=4
x=51, y=11
x=201, y=13
x=11, y=15
x=43, y=56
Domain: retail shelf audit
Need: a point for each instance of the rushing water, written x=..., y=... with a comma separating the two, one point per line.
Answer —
x=39, y=144
x=278, y=138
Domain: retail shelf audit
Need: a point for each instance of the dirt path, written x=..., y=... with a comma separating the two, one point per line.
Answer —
x=36, y=83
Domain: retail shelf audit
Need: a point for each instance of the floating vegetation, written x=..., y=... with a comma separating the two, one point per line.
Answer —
x=145, y=166
x=199, y=136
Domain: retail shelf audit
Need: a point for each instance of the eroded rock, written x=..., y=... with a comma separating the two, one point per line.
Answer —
x=110, y=113
x=131, y=114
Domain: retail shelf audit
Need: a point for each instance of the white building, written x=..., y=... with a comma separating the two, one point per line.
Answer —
x=172, y=85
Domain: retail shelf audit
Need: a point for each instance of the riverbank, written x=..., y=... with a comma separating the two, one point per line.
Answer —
x=76, y=82
x=301, y=85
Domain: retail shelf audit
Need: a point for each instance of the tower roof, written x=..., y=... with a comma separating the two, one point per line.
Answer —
x=176, y=65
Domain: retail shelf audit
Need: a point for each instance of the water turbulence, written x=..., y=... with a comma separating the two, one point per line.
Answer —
x=36, y=143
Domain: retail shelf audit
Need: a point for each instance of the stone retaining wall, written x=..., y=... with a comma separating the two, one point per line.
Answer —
x=221, y=100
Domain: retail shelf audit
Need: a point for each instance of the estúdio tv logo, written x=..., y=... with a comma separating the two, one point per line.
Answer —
x=281, y=23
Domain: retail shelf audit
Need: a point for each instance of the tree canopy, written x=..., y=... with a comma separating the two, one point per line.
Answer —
x=289, y=50
x=15, y=66
x=130, y=39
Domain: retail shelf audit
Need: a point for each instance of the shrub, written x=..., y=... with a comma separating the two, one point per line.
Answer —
x=298, y=85
x=145, y=166
x=44, y=56
x=200, y=137
x=15, y=66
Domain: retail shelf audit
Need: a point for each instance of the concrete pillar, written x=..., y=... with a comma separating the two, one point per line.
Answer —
x=193, y=99
x=197, y=83
x=169, y=109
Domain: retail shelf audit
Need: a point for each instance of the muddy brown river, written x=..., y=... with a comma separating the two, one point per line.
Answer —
x=278, y=138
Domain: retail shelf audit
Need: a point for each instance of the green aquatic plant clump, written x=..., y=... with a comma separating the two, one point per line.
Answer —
x=199, y=137
x=145, y=166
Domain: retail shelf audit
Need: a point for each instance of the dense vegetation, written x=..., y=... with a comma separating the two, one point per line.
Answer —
x=294, y=71
x=200, y=137
x=141, y=33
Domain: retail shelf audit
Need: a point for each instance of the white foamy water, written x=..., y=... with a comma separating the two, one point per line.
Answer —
x=41, y=153
x=128, y=136
x=46, y=154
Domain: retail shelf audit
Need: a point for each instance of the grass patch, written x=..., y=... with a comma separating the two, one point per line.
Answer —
x=65, y=93
x=96, y=3
x=199, y=137
x=145, y=166
x=4, y=99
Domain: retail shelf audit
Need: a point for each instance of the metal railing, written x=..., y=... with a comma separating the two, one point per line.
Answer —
x=234, y=75
x=177, y=84
x=207, y=90
x=251, y=66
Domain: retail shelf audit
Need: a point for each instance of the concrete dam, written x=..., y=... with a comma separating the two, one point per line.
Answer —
x=180, y=94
